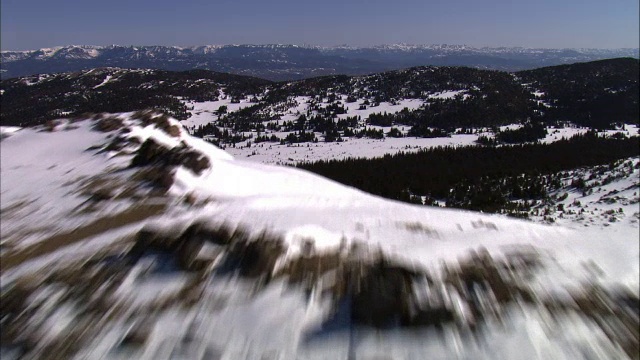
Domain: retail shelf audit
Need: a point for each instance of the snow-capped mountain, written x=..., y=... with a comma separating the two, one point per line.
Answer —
x=125, y=237
x=287, y=62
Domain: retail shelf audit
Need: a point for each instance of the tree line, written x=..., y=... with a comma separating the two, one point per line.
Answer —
x=435, y=172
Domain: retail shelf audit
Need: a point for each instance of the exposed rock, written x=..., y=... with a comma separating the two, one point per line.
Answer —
x=118, y=143
x=52, y=125
x=255, y=258
x=144, y=116
x=152, y=153
x=108, y=124
x=382, y=296
x=138, y=334
x=101, y=194
x=173, y=130
x=436, y=316
x=308, y=269
x=161, y=121
x=192, y=160
x=221, y=234
x=186, y=249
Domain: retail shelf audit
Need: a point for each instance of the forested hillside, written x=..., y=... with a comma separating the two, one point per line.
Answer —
x=424, y=101
x=479, y=178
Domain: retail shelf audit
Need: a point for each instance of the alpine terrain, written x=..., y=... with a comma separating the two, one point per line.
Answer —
x=124, y=236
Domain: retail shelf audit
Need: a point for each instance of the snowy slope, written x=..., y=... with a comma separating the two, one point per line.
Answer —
x=80, y=200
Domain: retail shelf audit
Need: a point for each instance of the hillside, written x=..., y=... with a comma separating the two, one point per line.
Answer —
x=425, y=101
x=592, y=94
x=36, y=99
x=125, y=237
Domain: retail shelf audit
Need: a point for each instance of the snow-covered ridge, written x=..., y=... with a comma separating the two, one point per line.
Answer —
x=196, y=254
x=90, y=51
x=292, y=62
x=396, y=46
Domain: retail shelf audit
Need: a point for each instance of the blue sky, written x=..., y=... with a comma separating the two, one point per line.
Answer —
x=31, y=24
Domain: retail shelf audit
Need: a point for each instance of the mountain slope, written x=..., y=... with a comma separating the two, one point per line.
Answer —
x=138, y=240
x=591, y=93
x=113, y=90
x=448, y=99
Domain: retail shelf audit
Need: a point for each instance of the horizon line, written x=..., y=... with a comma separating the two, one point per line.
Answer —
x=337, y=46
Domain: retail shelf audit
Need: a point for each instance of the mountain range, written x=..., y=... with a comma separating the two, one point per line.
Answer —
x=290, y=62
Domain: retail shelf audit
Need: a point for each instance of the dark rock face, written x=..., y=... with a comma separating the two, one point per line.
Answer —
x=108, y=124
x=183, y=250
x=220, y=235
x=255, y=259
x=161, y=121
x=151, y=153
x=248, y=256
x=138, y=334
x=382, y=296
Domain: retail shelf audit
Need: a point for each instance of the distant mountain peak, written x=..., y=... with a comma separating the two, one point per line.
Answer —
x=292, y=61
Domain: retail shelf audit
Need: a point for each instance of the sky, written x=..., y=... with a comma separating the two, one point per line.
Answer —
x=34, y=24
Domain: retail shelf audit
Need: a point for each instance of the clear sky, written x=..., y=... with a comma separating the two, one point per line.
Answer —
x=32, y=24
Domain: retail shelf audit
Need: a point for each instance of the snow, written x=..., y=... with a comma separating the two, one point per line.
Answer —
x=555, y=134
x=293, y=113
x=240, y=179
x=352, y=147
x=205, y=112
x=321, y=239
x=38, y=183
x=450, y=94
x=383, y=107
x=8, y=130
x=281, y=321
x=106, y=80
x=279, y=198
x=139, y=289
x=274, y=153
x=610, y=197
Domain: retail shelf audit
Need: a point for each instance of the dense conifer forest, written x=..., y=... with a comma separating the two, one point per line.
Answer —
x=478, y=177
x=595, y=94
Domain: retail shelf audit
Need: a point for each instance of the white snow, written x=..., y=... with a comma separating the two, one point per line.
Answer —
x=383, y=107
x=302, y=207
x=41, y=172
x=8, y=130
x=206, y=112
x=106, y=80
x=352, y=147
x=450, y=94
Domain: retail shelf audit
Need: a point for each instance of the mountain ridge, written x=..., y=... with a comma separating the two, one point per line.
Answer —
x=550, y=94
x=290, y=62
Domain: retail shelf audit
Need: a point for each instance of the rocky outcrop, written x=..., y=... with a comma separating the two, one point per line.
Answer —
x=161, y=121
x=152, y=153
x=107, y=124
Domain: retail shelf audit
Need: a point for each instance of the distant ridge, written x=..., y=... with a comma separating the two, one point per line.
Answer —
x=291, y=62
x=598, y=94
